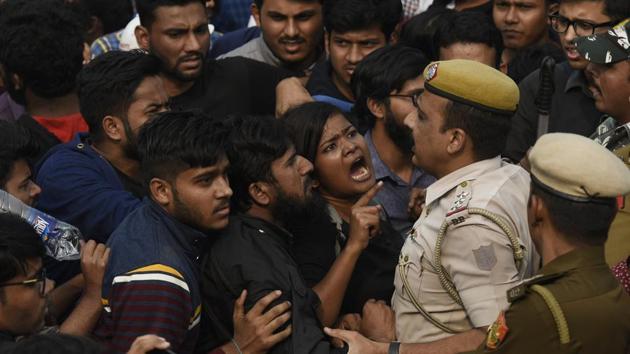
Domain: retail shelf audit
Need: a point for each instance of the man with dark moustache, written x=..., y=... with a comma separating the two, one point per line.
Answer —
x=471, y=242
x=151, y=285
x=176, y=31
x=291, y=35
x=608, y=55
x=572, y=106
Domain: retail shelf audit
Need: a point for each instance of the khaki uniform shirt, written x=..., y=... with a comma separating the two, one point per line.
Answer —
x=596, y=308
x=476, y=253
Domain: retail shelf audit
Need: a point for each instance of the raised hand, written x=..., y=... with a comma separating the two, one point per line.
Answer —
x=364, y=219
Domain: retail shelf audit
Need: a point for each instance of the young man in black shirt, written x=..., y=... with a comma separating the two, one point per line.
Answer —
x=272, y=189
x=176, y=31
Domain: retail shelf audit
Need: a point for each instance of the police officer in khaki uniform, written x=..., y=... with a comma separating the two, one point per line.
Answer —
x=609, y=56
x=471, y=242
x=574, y=304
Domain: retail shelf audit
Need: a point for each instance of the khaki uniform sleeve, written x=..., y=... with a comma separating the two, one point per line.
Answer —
x=481, y=264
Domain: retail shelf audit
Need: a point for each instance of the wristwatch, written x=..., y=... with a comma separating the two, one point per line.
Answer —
x=393, y=348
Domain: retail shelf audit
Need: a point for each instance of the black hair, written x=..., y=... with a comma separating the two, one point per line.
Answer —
x=617, y=10
x=305, y=125
x=146, y=8
x=528, y=60
x=381, y=72
x=16, y=144
x=580, y=222
x=42, y=42
x=469, y=27
x=259, y=3
x=254, y=144
x=106, y=86
x=487, y=130
x=176, y=141
x=57, y=343
x=19, y=243
x=419, y=31
x=342, y=16
x=114, y=14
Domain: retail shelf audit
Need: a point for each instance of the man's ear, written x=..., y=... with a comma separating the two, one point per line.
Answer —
x=142, y=37
x=377, y=108
x=161, y=191
x=457, y=140
x=255, y=11
x=260, y=192
x=537, y=212
x=327, y=42
x=113, y=128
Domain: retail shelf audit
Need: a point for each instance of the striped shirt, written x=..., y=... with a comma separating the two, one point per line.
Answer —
x=151, y=283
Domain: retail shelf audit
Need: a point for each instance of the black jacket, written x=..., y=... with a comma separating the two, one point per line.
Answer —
x=255, y=255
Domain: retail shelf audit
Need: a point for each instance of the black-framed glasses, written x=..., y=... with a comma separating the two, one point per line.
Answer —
x=40, y=280
x=414, y=97
x=561, y=24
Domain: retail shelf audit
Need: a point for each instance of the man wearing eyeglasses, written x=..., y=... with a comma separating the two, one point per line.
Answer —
x=24, y=289
x=573, y=109
x=387, y=84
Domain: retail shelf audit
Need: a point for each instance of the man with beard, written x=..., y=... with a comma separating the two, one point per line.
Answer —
x=151, y=285
x=387, y=84
x=291, y=35
x=272, y=192
x=176, y=31
x=573, y=109
x=93, y=182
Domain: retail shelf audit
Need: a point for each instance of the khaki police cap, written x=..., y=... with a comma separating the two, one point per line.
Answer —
x=472, y=83
x=576, y=168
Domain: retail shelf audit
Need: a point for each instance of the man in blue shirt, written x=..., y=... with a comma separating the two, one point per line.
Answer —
x=387, y=84
x=93, y=181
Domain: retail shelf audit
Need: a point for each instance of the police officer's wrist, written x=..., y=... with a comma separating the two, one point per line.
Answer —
x=394, y=347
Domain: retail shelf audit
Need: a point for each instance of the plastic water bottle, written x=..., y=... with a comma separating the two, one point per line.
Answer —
x=61, y=239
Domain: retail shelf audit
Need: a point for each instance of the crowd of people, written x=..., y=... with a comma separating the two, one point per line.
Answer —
x=338, y=176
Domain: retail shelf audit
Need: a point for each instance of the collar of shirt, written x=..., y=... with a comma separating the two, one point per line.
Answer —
x=272, y=230
x=579, y=258
x=188, y=237
x=576, y=80
x=466, y=173
x=381, y=171
x=266, y=52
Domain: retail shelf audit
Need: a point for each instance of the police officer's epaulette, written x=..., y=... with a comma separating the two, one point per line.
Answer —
x=519, y=291
x=458, y=212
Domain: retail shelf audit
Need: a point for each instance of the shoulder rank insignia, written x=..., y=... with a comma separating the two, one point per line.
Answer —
x=497, y=332
x=456, y=213
x=520, y=290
